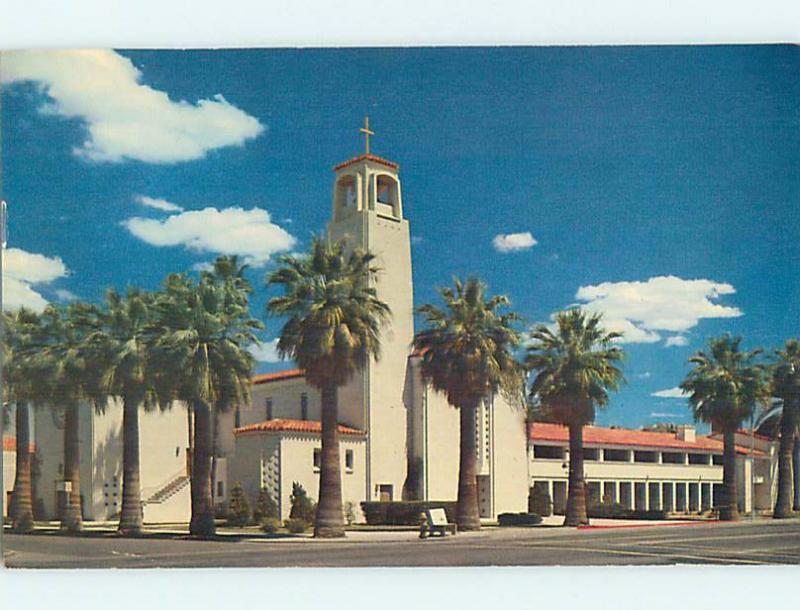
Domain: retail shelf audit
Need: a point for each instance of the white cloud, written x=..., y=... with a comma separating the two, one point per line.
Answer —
x=266, y=351
x=511, y=242
x=158, y=204
x=645, y=375
x=65, y=295
x=22, y=271
x=663, y=414
x=664, y=303
x=126, y=119
x=676, y=341
x=247, y=233
x=675, y=392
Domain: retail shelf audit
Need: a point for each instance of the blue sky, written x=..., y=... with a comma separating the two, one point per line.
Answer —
x=656, y=184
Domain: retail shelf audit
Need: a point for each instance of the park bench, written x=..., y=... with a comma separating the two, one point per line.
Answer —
x=435, y=523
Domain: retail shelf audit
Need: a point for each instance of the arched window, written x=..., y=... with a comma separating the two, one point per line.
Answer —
x=346, y=194
x=387, y=195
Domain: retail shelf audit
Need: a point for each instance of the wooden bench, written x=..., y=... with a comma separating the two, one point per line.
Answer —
x=435, y=522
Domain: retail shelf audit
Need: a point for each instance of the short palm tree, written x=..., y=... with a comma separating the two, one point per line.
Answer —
x=199, y=346
x=724, y=388
x=119, y=352
x=333, y=328
x=70, y=384
x=21, y=386
x=786, y=387
x=575, y=367
x=467, y=353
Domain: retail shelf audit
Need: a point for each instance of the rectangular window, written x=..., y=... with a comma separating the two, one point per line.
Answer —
x=237, y=416
x=268, y=407
x=716, y=460
x=304, y=406
x=220, y=488
x=548, y=452
x=615, y=455
x=590, y=454
x=348, y=460
x=650, y=457
x=672, y=457
x=699, y=458
x=317, y=459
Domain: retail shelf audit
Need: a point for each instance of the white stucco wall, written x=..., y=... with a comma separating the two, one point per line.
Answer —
x=296, y=458
x=510, y=467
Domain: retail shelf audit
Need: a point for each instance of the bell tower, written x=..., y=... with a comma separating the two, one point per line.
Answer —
x=368, y=212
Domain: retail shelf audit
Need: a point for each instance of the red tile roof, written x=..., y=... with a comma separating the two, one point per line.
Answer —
x=292, y=425
x=628, y=438
x=368, y=157
x=279, y=376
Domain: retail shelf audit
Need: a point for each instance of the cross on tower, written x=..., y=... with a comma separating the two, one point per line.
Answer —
x=367, y=133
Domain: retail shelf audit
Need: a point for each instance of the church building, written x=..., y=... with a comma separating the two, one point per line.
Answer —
x=399, y=437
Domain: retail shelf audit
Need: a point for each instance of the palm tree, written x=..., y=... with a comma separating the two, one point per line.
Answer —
x=70, y=384
x=786, y=387
x=119, y=351
x=576, y=366
x=333, y=328
x=724, y=388
x=466, y=352
x=200, y=342
x=21, y=384
x=229, y=273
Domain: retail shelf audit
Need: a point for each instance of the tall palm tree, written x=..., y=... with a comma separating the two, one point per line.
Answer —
x=119, y=351
x=200, y=346
x=724, y=388
x=21, y=386
x=786, y=387
x=333, y=328
x=70, y=385
x=466, y=352
x=229, y=273
x=576, y=366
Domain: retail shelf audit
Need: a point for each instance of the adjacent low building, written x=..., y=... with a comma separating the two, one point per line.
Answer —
x=676, y=472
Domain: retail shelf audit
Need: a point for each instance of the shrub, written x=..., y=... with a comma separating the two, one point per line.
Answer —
x=270, y=525
x=238, y=507
x=403, y=513
x=539, y=502
x=265, y=507
x=303, y=507
x=349, y=513
x=518, y=519
x=296, y=526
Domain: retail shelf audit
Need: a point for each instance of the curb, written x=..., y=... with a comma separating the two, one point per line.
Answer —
x=640, y=525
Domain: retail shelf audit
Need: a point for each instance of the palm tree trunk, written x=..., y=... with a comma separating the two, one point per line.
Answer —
x=202, y=523
x=576, y=498
x=330, y=519
x=130, y=521
x=796, y=465
x=21, y=500
x=729, y=509
x=71, y=518
x=467, y=514
x=783, y=503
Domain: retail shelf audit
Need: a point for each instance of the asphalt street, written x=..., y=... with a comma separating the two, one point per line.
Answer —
x=763, y=542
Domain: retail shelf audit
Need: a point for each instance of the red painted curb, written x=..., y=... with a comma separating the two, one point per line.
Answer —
x=634, y=525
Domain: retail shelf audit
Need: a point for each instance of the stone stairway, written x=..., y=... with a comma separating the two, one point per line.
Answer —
x=169, y=489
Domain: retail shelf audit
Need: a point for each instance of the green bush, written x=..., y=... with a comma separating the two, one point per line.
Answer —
x=303, y=507
x=349, y=513
x=615, y=510
x=296, y=526
x=403, y=513
x=270, y=525
x=238, y=507
x=265, y=507
x=539, y=501
x=518, y=519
